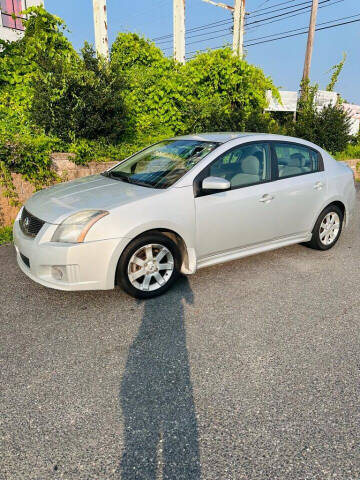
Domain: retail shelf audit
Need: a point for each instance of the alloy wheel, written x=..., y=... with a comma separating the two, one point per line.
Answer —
x=150, y=267
x=329, y=228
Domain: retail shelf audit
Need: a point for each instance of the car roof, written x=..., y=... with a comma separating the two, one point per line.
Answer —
x=223, y=137
x=218, y=137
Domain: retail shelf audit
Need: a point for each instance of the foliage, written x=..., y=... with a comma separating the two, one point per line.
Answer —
x=81, y=100
x=214, y=91
x=336, y=69
x=351, y=151
x=42, y=50
x=103, y=151
x=5, y=235
x=223, y=92
x=27, y=152
x=153, y=91
x=329, y=128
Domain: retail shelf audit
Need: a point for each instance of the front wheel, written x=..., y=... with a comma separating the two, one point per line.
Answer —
x=148, y=266
x=327, y=229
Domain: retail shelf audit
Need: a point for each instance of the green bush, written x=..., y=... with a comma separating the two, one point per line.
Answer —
x=329, y=128
x=89, y=103
x=28, y=152
x=5, y=235
x=351, y=151
x=223, y=92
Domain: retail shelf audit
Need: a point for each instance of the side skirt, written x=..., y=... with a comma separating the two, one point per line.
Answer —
x=253, y=250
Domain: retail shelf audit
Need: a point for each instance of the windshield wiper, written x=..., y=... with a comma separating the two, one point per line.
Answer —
x=117, y=176
x=124, y=178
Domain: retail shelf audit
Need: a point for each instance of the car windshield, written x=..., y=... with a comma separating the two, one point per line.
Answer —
x=161, y=165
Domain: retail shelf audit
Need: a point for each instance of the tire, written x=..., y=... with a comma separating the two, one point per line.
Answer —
x=136, y=259
x=323, y=239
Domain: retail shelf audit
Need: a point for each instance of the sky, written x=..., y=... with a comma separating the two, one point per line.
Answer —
x=282, y=60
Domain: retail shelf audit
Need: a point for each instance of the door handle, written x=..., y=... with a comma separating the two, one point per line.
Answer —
x=318, y=186
x=266, y=198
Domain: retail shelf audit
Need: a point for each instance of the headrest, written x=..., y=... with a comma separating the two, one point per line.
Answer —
x=250, y=165
x=296, y=160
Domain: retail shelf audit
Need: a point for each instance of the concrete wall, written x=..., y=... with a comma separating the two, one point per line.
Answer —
x=10, y=34
x=64, y=168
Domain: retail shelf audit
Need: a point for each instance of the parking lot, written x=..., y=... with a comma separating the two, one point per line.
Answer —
x=247, y=370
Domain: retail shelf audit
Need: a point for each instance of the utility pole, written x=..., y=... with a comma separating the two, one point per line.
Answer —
x=179, y=30
x=310, y=41
x=239, y=24
x=101, y=28
x=238, y=12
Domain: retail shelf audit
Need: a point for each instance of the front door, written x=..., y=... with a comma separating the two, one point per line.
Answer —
x=243, y=215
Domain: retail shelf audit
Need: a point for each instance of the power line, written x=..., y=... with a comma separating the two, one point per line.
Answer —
x=303, y=33
x=271, y=6
x=288, y=36
x=280, y=9
x=302, y=28
x=294, y=15
x=220, y=22
x=229, y=32
x=286, y=13
x=263, y=21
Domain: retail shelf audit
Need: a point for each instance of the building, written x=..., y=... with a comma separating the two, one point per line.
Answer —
x=323, y=98
x=11, y=28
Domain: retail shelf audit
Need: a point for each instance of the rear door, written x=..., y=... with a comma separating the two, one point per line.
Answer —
x=299, y=188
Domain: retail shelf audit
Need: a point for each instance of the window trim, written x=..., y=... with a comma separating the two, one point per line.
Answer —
x=276, y=161
x=198, y=192
x=274, y=170
x=11, y=15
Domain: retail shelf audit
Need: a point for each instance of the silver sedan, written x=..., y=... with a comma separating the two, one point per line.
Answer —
x=183, y=204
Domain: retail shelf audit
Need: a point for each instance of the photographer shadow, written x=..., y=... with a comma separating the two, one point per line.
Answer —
x=156, y=396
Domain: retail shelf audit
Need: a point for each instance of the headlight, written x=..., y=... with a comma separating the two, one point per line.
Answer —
x=74, y=228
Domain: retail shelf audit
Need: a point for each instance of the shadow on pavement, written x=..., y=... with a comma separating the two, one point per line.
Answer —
x=161, y=436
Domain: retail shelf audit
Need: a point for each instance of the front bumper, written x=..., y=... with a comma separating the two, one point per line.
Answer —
x=82, y=266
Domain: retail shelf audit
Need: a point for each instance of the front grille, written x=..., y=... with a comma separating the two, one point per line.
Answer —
x=25, y=260
x=29, y=224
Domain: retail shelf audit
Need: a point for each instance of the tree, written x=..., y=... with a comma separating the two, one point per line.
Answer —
x=329, y=128
x=224, y=92
x=88, y=105
x=153, y=92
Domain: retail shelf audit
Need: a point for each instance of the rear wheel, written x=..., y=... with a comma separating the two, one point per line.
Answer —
x=148, y=266
x=327, y=229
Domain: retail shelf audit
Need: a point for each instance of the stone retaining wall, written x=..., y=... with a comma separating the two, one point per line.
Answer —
x=67, y=170
x=354, y=164
x=64, y=168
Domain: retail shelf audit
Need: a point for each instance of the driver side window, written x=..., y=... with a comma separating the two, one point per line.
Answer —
x=244, y=165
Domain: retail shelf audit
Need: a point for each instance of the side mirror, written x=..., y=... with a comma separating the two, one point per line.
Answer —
x=216, y=183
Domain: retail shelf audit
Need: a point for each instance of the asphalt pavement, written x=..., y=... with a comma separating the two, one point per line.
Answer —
x=247, y=370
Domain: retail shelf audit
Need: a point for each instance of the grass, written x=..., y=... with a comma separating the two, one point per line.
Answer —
x=351, y=151
x=5, y=235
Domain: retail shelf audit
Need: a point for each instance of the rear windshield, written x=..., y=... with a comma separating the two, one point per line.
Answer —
x=161, y=165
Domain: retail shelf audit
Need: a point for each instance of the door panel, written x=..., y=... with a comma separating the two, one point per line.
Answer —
x=301, y=188
x=234, y=219
x=297, y=200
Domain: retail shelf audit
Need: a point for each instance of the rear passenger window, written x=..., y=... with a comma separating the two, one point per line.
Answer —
x=244, y=165
x=295, y=159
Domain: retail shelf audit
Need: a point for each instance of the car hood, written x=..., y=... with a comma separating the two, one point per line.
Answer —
x=87, y=193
